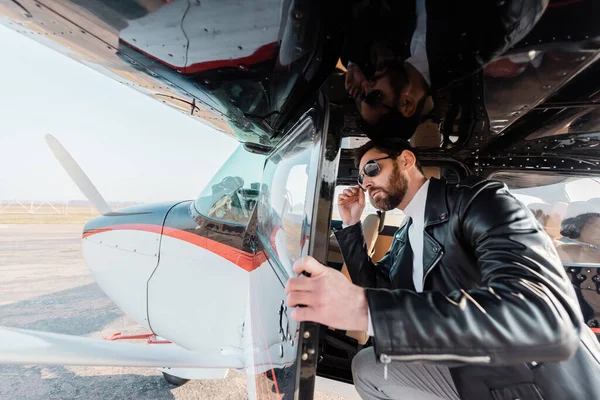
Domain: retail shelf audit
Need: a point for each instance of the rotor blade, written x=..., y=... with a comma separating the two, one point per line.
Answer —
x=78, y=176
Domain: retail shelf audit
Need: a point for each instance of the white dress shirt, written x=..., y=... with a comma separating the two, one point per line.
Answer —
x=415, y=210
x=418, y=49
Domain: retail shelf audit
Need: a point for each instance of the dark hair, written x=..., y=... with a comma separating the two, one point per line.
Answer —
x=390, y=147
x=571, y=227
x=394, y=124
x=390, y=126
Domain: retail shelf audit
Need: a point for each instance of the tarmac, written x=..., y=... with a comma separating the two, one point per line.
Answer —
x=45, y=285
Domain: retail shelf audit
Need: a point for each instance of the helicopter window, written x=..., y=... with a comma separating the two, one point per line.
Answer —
x=286, y=198
x=567, y=207
x=233, y=192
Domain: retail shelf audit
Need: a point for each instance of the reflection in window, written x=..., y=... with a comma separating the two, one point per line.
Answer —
x=568, y=209
x=232, y=193
x=526, y=75
x=286, y=197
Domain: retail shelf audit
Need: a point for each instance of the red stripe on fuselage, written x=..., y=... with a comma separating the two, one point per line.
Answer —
x=262, y=54
x=243, y=259
x=247, y=261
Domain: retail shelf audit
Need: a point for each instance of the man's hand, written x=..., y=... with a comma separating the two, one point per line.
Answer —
x=329, y=297
x=354, y=80
x=351, y=203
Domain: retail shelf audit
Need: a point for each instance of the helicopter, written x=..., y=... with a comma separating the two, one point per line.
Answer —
x=206, y=277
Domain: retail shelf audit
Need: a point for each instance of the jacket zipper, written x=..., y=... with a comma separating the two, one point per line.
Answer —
x=437, y=259
x=385, y=359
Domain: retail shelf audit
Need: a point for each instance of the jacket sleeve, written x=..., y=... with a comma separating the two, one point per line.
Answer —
x=524, y=309
x=362, y=270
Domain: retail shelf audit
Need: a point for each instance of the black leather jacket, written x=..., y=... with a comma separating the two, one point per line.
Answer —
x=497, y=306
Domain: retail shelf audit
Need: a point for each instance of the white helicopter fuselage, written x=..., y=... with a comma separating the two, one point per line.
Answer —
x=187, y=288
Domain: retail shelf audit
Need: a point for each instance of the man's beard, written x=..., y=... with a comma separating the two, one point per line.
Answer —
x=392, y=195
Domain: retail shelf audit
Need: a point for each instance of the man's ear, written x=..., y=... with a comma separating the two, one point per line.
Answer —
x=407, y=105
x=407, y=160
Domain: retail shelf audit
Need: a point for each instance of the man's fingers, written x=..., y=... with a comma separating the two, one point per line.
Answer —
x=299, y=284
x=343, y=200
x=309, y=264
x=348, y=81
x=295, y=299
x=302, y=314
x=350, y=192
x=361, y=197
x=353, y=87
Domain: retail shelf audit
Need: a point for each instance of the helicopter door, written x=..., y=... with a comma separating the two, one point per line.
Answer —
x=297, y=177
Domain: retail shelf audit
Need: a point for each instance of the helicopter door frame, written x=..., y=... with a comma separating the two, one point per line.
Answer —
x=286, y=233
x=324, y=189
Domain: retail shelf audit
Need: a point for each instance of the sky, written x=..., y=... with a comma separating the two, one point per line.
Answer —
x=133, y=148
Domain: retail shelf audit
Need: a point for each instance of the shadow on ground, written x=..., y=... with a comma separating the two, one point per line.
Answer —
x=78, y=311
x=56, y=382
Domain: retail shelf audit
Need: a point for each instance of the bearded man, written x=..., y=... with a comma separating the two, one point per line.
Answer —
x=470, y=302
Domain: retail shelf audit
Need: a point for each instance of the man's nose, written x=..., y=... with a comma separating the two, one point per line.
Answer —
x=367, y=183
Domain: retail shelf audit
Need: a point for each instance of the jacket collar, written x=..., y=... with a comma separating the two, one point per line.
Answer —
x=436, y=212
x=436, y=209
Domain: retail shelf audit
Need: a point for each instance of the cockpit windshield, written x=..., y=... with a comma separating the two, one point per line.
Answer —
x=232, y=193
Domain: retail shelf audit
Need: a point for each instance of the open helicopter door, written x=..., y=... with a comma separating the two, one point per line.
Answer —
x=293, y=214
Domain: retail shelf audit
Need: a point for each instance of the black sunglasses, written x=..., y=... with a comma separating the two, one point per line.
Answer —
x=373, y=99
x=371, y=169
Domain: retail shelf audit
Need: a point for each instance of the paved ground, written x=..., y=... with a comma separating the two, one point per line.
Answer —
x=44, y=285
